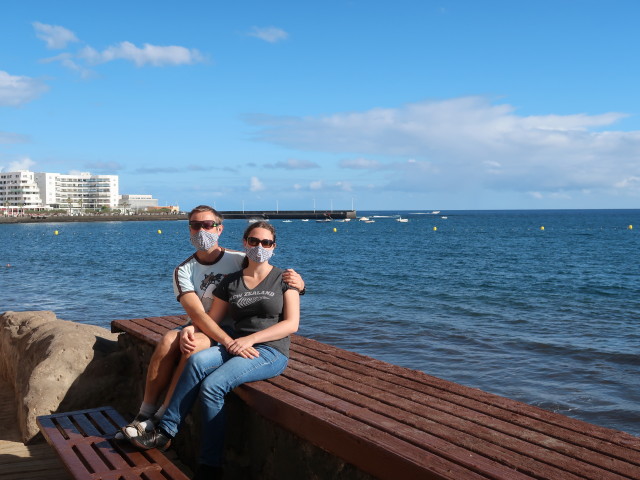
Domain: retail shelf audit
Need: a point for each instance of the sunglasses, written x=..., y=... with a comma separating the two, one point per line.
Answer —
x=254, y=242
x=206, y=224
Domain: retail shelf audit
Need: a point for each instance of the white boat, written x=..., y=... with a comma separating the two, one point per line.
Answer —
x=369, y=221
x=444, y=217
x=364, y=219
x=305, y=219
x=286, y=221
x=435, y=212
x=402, y=220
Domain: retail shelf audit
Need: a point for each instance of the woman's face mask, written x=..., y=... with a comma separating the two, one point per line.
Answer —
x=203, y=240
x=258, y=253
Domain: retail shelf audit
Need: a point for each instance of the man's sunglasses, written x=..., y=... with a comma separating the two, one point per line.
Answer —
x=206, y=224
x=254, y=242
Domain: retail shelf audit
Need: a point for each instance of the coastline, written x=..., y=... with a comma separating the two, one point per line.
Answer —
x=231, y=215
x=92, y=218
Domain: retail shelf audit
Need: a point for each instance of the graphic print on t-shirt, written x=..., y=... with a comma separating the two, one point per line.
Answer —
x=209, y=280
x=245, y=299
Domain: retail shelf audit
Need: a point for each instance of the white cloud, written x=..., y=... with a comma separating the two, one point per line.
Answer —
x=268, y=34
x=17, y=165
x=148, y=54
x=631, y=183
x=361, y=164
x=55, y=36
x=18, y=90
x=469, y=142
x=294, y=164
x=256, y=185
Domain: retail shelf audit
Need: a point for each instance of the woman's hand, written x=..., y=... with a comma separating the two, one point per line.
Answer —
x=242, y=347
x=187, y=339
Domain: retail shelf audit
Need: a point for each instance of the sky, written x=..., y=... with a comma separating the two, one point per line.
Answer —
x=333, y=104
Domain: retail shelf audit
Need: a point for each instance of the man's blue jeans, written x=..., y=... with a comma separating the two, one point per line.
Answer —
x=213, y=373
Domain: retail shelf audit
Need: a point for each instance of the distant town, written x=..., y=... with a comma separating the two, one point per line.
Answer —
x=44, y=193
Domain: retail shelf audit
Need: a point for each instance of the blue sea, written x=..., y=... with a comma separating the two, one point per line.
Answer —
x=538, y=306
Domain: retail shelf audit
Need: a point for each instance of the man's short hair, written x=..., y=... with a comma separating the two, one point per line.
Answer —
x=206, y=208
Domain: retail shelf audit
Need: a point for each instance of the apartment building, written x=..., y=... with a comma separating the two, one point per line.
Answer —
x=41, y=190
x=19, y=190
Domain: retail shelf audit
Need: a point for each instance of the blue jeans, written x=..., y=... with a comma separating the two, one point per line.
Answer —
x=213, y=373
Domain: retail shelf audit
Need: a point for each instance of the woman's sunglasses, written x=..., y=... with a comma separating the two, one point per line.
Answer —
x=206, y=224
x=254, y=242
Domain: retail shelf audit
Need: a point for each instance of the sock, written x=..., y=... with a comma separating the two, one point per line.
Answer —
x=158, y=415
x=147, y=409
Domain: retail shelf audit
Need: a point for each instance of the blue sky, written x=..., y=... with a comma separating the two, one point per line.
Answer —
x=421, y=105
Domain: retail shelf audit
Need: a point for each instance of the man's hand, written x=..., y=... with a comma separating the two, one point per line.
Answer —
x=187, y=339
x=293, y=279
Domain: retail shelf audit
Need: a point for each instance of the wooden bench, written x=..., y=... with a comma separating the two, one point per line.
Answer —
x=84, y=441
x=393, y=422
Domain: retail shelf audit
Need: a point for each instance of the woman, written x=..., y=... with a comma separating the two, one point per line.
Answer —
x=265, y=311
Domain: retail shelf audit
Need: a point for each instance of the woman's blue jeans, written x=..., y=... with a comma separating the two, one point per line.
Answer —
x=213, y=373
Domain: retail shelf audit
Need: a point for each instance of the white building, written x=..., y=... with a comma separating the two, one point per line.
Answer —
x=138, y=202
x=19, y=190
x=28, y=190
x=80, y=190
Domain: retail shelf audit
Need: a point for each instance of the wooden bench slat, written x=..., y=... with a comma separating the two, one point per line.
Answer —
x=488, y=430
x=526, y=417
x=89, y=451
x=377, y=453
x=494, y=446
x=328, y=395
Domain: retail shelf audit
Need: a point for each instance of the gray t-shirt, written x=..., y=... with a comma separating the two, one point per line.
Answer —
x=255, y=309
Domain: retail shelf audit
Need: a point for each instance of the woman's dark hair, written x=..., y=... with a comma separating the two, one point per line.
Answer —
x=206, y=208
x=260, y=224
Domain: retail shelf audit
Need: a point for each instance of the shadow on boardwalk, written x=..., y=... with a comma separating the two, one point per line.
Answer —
x=18, y=461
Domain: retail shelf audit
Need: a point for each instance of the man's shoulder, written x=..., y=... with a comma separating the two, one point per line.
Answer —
x=188, y=261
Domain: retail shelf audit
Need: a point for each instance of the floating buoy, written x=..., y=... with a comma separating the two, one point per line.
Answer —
x=630, y=227
x=542, y=228
x=335, y=229
x=159, y=231
x=55, y=232
x=435, y=228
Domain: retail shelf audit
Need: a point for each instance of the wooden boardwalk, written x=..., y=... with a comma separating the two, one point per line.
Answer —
x=19, y=461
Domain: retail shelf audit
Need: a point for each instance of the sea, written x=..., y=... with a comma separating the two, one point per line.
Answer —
x=541, y=306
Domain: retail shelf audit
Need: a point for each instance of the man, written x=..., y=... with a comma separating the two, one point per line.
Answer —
x=194, y=281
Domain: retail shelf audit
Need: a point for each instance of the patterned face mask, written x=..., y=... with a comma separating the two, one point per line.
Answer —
x=203, y=240
x=258, y=253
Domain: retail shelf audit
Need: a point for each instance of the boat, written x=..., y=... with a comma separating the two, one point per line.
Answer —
x=435, y=212
x=323, y=220
x=364, y=219
x=305, y=219
x=444, y=217
x=402, y=220
x=286, y=221
x=369, y=221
